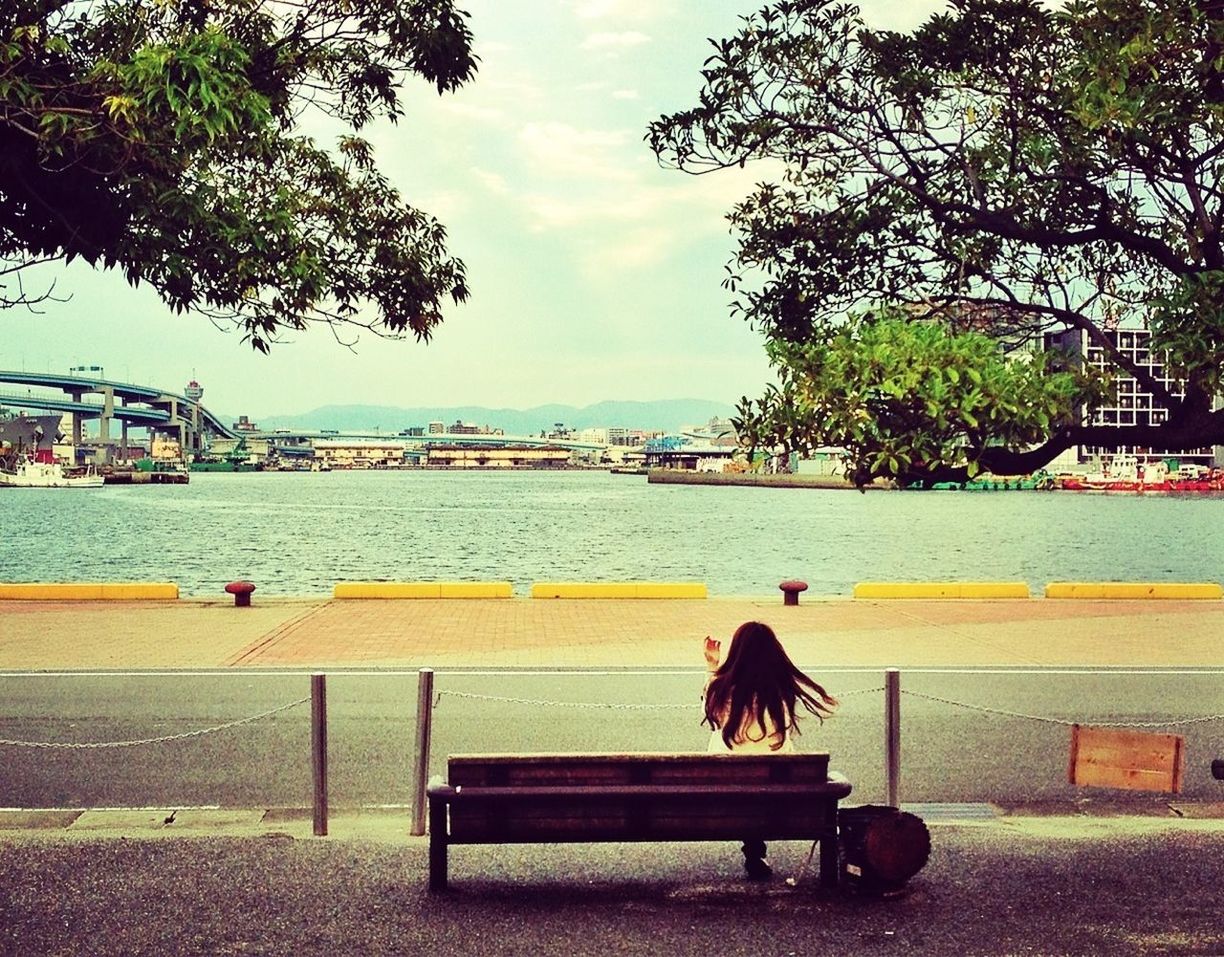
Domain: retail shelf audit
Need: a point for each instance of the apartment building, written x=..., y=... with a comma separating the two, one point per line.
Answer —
x=1128, y=403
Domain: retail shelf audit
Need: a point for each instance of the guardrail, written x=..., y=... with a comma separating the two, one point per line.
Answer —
x=429, y=698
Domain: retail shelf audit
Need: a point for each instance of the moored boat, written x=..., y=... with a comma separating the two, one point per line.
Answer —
x=28, y=473
x=1125, y=473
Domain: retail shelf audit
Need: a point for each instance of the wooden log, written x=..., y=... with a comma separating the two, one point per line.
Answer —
x=882, y=847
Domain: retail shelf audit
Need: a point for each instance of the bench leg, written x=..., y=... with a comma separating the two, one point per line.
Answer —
x=437, y=846
x=828, y=860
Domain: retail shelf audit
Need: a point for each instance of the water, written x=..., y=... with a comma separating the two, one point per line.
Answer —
x=300, y=533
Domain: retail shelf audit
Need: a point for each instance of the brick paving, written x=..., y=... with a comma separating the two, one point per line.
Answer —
x=527, y=633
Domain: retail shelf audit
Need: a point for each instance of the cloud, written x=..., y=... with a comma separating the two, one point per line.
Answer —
x=579, y=177
x=443, y=205
x=625, y=95
x=886, y=14
x=494, y=182
x=473, y=111
x=612, y=42
x=564, y=150
x=610, y=256
x=603, y=9
x=641, y=224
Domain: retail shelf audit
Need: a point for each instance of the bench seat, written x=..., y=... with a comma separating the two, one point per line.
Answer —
x=657, y=796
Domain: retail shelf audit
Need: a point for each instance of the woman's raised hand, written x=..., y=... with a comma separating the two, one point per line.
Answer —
x=712, y=650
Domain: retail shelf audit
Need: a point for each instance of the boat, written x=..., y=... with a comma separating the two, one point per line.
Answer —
x=1125, y=473
x=237, y=459
x=1039, y=481
x=29, y=473
x=151, y=471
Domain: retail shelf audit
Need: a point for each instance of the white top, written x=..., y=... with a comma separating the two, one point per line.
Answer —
x=750, y=740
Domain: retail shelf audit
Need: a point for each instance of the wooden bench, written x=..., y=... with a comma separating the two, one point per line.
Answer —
x=683, y=796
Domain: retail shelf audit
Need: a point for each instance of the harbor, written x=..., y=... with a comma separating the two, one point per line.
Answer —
x=298, y=533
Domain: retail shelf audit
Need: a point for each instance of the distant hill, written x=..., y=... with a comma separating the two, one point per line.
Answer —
x=666, y=415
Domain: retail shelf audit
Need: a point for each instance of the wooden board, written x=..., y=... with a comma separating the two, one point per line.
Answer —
x=685, y=767
x=1122, y=758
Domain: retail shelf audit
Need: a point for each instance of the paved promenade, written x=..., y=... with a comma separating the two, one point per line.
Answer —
x=542, y=634
x=238, y=881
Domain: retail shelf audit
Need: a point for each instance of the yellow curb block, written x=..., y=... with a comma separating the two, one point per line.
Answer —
x=1135, y=590
x=941, y=590
x=89, y=591
x=423, y=590
x=619, y=590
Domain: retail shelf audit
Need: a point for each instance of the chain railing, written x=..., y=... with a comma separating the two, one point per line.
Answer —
x=983, y=709
x=161, y=739
x=428, y=701
x=605, y=705
x=1067, y=722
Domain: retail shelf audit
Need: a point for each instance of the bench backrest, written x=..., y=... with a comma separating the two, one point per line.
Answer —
x=659, y=767
x=647, y=796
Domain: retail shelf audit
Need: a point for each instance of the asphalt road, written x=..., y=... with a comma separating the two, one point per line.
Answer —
x=949, y=753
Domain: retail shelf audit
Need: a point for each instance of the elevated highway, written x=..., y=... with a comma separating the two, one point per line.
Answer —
x=128, y=404
x=147, y=407
x=303, y=436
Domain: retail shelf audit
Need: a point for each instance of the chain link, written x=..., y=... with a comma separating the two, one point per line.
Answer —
x=561, y=704
x=165, y=737
x=847, y=694
x=1064, y=721
x=609, y=705
x=613, y=706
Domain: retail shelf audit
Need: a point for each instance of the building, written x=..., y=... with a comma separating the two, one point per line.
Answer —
x=685, y=452
x=362, y=454
x=194, y=391
x=596, y=436
x=632, y=437
x=437, y=428
x=460, y=456
x=1128, y=404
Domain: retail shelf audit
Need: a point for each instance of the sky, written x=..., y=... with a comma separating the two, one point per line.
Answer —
x=595, y=273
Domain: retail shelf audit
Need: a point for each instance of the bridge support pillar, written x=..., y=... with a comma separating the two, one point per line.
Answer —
x=108, y=413
x=76, y=423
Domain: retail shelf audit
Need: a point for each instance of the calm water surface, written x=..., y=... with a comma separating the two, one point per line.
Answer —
x=300, y=533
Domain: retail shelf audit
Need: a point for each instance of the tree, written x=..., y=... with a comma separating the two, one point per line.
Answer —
x=161, y=137
x=1005, y=170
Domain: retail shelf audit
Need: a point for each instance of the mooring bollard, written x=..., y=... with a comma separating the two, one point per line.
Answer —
x=318, y=750
x=791, y=590
x=241, y=592
x=892, y=736
x=424, y=732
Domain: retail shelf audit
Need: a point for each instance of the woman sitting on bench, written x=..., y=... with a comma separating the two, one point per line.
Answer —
x=750, y=703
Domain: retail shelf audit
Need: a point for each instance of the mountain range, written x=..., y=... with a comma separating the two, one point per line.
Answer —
x=667, y=415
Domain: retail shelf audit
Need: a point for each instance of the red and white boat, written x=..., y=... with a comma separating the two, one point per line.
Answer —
x=1125, y=473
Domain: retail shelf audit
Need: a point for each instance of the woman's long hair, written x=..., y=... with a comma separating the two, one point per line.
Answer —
x=756, y=681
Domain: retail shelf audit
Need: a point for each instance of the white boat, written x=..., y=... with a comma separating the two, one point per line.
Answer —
x=26, y=473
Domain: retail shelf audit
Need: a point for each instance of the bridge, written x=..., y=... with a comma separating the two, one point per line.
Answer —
x=285, y=440
x=146, y=407
x=123, y=402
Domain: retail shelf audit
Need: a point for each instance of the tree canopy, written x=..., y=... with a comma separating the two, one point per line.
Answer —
x=163, y=138
x=1001, y=175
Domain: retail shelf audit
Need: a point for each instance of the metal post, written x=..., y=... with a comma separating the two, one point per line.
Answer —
x=424, y=732
x=892, y=735
x=318, y=750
